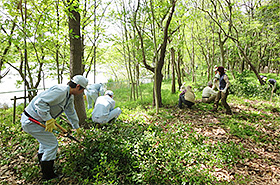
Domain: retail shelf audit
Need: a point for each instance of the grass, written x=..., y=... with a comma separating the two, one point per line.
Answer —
x=188, y=146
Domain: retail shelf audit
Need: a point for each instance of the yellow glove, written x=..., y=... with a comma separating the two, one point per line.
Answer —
x=79, y=131
x=50, y=125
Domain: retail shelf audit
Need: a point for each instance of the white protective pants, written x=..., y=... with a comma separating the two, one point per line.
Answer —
x=105, y=119
x=91, y=95
x=47, y=141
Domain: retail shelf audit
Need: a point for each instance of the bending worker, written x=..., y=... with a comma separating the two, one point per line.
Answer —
x=93, y=92
x=45, y=108
x=208, y=94
x=271, y=82
x=104, y=111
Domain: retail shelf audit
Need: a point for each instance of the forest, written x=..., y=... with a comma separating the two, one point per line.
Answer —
x=170, y=42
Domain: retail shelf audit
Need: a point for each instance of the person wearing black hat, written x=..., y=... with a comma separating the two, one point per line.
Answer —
x=223, y=91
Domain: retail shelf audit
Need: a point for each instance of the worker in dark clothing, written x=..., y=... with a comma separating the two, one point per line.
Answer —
x=223, y=91
x=271, y=82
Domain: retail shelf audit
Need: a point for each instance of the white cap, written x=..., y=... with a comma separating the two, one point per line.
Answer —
x=109, y=92
x=210, y=83
x=81, y=80
x=215, y=68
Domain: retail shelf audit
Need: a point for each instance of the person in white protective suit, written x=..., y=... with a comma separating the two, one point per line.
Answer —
x=104, y=111
x=45, y=108
x=93, y=91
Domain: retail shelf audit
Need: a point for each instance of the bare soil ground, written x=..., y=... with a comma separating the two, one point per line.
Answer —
x=264, y=168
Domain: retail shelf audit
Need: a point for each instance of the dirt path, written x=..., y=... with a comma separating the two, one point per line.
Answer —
x=264, y=168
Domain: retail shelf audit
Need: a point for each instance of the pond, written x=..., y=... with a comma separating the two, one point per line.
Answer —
x=9, y=89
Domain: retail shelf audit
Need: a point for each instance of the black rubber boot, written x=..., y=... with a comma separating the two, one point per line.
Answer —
x=47, y=170
x=112, y=120
x=40, y=155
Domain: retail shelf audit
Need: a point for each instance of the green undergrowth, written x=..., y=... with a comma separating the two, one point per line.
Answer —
x=142, y=147
x=134, y=152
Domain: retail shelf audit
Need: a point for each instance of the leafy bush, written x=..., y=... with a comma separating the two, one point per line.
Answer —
x=138, y=152
x=246, y=87
x=105, y=155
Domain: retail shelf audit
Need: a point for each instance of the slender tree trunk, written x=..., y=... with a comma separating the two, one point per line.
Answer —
x=173, y=88
x=178, y=69
x=59, y=79
x=222, y=50
x=160, y=63
x=94, y=42
x=127, y=55
x=249, y=62
x=192, y=58
x=76, y=57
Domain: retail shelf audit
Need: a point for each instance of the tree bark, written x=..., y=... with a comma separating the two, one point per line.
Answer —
x=178, y=69
x=76, y=57
x=160, y=63
x=59, y=77
x=173, y=88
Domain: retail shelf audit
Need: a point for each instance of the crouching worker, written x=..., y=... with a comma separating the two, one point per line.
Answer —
x=45, y=108
x=272, y=83
x=208, y=94
x=93, y=91
x=187, y=97
x=104, y=111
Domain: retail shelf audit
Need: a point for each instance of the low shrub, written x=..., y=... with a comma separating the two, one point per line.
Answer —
x=244, y=86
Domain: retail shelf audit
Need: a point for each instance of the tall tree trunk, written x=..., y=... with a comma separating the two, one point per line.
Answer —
x=136, y=65
x=160, y=63
x=249, y=62
x=59, y=77
x=94, y=43
x=76, y=57
x=192, y=58
x=127, y=56
x=178, y=69
x=173, y=88
x=222, y=50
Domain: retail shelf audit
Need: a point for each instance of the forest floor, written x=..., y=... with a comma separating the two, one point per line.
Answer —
x=264, y=167
x=254, y=124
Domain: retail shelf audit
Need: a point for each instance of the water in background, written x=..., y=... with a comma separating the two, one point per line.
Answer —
x=8, y=87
